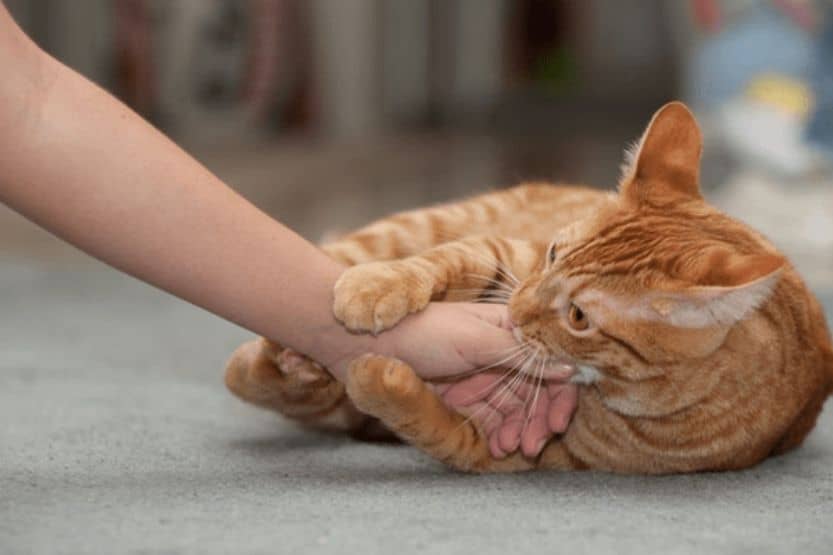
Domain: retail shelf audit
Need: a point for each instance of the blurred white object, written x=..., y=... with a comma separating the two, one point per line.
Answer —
x=759, y=135
x=797, y=216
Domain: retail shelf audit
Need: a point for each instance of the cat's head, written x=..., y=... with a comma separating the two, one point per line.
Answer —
x=646, y=290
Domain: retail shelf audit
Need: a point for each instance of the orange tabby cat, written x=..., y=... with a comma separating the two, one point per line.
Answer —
x=697, y=345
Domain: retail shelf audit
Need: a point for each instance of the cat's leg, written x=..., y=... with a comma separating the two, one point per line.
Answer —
x=395, y=237
x=415, y=231
x=265, y=374
x=390, y=390
x=375, y=296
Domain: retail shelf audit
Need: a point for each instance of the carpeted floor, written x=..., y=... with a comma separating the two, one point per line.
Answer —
x=117, y=437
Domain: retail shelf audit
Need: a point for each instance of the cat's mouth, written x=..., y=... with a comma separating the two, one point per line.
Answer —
x=543, y=364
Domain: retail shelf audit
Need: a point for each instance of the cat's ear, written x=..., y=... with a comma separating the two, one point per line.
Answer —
x=664, y=166
x=731, y=288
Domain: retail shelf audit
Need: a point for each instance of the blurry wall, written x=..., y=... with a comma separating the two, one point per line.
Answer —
x=212, y=70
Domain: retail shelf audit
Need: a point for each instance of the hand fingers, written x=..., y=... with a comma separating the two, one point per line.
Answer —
x=524, y=388
x=509, y=435
x=493, y=330
x=485, y=417
x=506, y=400
x=440, y=388
x=495, y=448
x=498, y=410
x=561, y=408
x=470, y=390
x=536, y=432
x=554, y=389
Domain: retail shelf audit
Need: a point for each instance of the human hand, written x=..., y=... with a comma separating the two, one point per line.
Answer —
x=513, y=411
x=474, y=342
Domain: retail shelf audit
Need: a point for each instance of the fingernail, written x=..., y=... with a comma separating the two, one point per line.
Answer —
x=541, y=446
x=494, y=448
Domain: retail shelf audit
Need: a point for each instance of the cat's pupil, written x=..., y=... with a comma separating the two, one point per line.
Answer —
x=576, y=319
x=552, y=254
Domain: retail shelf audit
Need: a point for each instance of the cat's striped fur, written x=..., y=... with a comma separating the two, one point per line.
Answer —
x=698, y=345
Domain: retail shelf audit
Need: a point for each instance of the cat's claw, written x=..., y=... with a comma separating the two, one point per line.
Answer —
x=300, y=368
x=376, y=296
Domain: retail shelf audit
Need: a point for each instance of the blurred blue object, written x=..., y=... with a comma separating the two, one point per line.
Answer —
x=763, y=40
x=820, y=128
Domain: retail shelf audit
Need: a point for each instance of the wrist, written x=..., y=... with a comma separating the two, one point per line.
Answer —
x=335, y=348
x=319, y=335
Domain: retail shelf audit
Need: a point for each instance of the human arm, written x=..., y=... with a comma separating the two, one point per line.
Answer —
x=81, y=164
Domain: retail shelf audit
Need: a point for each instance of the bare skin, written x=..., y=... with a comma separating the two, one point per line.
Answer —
x=84, y=166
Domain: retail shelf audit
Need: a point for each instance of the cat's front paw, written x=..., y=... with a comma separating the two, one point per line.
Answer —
x=376, y=296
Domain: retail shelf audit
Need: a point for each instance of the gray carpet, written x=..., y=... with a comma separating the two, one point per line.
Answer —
x=116, y=436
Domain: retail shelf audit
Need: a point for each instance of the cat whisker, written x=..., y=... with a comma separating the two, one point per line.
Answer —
x=539, y=379
x=516, y=351
x=492, y=262
x=493, y=299
x=505, y=392
x=489, y=301
x=497, y=284
x=518, y=376
x=483, y=299
x=483, y=391
x=508, y=373
x=480, y=293
x=515, y=347
x=508, y=273
x=445, y=237
x=498, y=294
x=498, y=265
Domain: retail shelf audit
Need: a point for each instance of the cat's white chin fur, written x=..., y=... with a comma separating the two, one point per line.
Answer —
x=586, y=374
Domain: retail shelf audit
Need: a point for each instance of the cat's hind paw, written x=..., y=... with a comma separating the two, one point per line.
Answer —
x=267, y=375
x=300, y=371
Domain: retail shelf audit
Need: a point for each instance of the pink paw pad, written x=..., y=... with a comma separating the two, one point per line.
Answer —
x=299, y=367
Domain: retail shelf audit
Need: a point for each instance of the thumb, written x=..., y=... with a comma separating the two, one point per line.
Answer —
x=494, y=314
x=490, y=343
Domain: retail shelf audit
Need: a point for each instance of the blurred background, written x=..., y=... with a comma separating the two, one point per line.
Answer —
x=328, y=113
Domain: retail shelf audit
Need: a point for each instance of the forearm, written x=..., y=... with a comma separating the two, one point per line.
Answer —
x=84, y=166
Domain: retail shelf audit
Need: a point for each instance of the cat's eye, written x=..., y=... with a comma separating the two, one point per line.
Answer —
x=552, y=254
x=577, y=318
